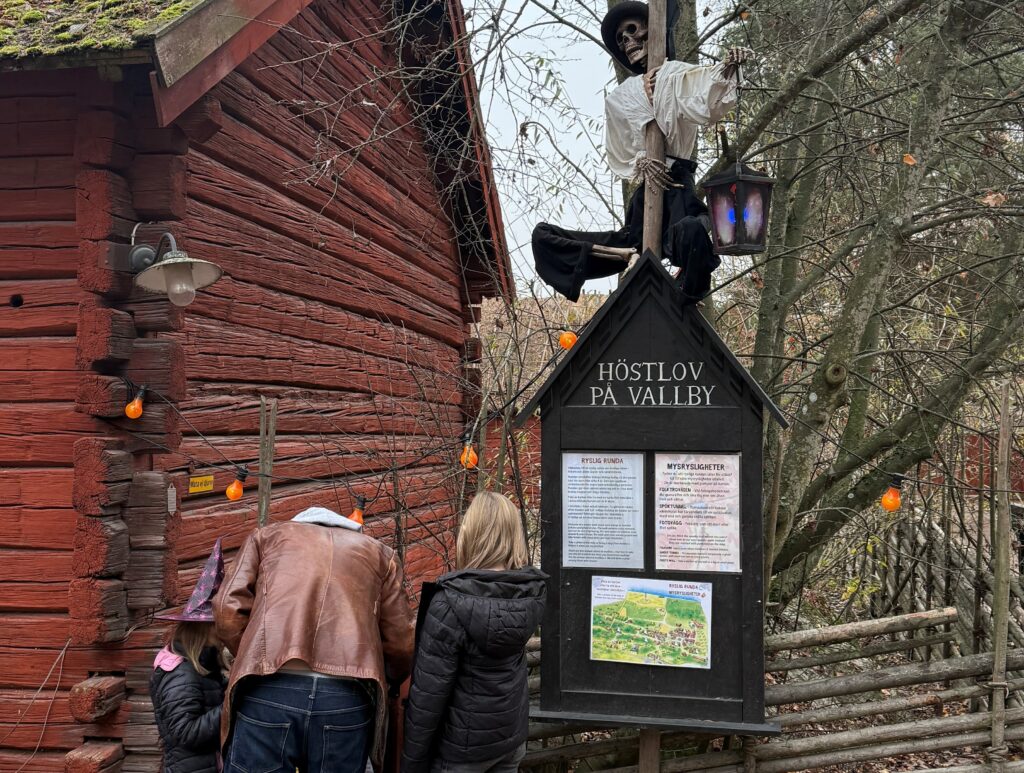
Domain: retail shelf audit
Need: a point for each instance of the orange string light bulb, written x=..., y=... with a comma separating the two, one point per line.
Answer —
x=357, y=512
x=468, y=457
x=134, y=409
x=237, y=487
x=891, y=500
x=567, y=339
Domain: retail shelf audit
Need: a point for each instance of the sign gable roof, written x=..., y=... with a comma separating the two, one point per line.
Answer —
x=646, y=276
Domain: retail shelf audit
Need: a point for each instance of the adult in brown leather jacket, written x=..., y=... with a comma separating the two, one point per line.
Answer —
x=318, y=620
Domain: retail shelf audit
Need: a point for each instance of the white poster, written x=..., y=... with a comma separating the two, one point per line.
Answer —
x=697, y=512
x=650, y=622
x=603, y=510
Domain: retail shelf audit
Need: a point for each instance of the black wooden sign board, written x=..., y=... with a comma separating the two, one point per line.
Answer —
x=651, y=521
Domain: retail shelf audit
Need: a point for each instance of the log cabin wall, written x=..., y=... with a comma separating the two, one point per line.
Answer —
x=38, y=318
x=83, y=513
x=343, y=299
x=342, y=296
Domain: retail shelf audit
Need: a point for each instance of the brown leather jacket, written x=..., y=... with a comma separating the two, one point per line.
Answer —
x=325, y=595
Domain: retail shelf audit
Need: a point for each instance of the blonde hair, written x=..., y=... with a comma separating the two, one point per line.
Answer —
x=191, y=638
x=491, y=535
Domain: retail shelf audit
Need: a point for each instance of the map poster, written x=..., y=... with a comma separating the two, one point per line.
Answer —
x=603, y=510
x=651, y=622
x=697, y=512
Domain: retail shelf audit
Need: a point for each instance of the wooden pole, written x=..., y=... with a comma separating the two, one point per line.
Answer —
x=649, y=760
x=268, y=431
x=654, y=210
x=1001, y=588
x=814, y=637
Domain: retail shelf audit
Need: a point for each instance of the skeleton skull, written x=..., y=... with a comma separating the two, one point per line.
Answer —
x=631, y=36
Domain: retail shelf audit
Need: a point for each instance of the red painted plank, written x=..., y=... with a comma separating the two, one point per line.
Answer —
x=37, y=204
x=349, y=187
x=241, y=303
x=232, y=521
x=33, y=386
x=42, y=434
x=31, y=762
x=36, y=172
x=37, y=138
x=233, y=408
x=402, y=163
x=40, y=488
x=38, y=249
x=32, y=597
x=42, y=307
x=37, y=354
x=292, y=361
x=39, y=83
x=253, y=253
x=32, y=667
x=29, y=527
x=332, y=222
x=20, y=565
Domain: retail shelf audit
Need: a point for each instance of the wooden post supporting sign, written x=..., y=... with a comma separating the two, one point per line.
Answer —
x=657, y=26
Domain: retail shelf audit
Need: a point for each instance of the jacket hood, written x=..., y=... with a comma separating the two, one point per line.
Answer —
x=500, y=610
x=324, y=517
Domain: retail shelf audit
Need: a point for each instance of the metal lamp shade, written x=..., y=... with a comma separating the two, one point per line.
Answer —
x=155, y=278
x=739, y=200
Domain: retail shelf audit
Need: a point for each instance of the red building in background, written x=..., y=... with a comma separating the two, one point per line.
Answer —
x=281, y=144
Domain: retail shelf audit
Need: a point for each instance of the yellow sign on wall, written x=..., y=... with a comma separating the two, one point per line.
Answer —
x=200, y=484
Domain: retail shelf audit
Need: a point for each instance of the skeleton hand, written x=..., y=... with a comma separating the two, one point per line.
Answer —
x=650, y=79
x=734, y=57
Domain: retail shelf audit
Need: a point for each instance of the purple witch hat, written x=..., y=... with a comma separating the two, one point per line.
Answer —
x=199, y=608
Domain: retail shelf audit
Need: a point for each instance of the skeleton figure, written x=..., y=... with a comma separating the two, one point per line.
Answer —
x=680, y=97
x=631, y=38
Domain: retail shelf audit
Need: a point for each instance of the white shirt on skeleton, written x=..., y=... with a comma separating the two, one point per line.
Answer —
x=686, y=96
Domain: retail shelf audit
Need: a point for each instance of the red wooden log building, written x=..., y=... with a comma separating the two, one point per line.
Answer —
x=354, y=213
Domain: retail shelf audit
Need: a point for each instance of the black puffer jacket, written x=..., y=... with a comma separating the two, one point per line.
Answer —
x=469, y=699
x=187, y=708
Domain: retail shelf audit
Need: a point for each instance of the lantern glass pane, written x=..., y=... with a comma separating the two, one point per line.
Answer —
x=723, y=214
x=753, y=213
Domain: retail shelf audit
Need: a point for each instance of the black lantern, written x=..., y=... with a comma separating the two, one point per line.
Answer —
x=739, y=199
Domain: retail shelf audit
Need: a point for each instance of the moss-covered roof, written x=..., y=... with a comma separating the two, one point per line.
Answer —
x=36, y=28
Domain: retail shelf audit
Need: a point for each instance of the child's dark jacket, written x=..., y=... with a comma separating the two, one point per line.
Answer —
x=187, y=707
x=469, y=698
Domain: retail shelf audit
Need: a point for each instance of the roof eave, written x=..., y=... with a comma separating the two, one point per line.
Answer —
x=85, y=59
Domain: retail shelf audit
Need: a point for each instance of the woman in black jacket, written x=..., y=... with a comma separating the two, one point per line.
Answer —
x=188, y=680
x=468, y=705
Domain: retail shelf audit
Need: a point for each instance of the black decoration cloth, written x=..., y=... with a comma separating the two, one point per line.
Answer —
x=563, y=258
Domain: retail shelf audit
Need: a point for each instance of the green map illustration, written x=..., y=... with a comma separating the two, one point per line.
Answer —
x=654, y=629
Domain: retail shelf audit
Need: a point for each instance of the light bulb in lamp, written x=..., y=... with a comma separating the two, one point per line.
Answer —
x=181, y=285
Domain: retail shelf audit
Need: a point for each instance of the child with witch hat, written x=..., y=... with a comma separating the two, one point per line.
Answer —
x=187, y=685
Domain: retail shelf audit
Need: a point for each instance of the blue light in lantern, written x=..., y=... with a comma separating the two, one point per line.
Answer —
x=732, y=216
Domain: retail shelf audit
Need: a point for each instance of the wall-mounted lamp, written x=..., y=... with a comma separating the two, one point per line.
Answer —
x=172, y=272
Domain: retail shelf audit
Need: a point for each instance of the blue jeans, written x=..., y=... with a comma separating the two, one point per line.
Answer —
x=285, y=722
